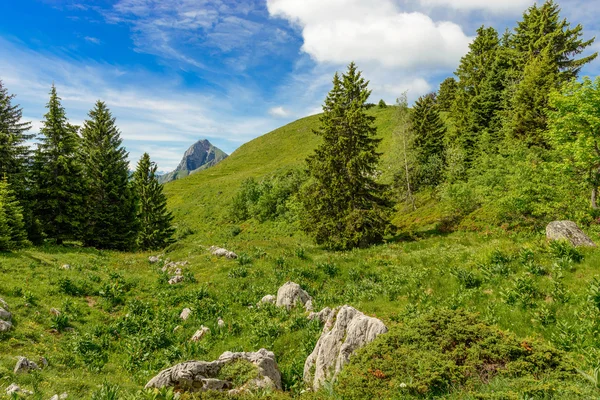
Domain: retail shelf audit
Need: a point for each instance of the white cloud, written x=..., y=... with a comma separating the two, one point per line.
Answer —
x=494, y=6
x=339, y=31
x=279, y=112
x=93, y=40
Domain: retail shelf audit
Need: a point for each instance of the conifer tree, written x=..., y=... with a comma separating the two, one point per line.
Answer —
x=155, y=220
x=11, y=215
x=110, y=203
x=429, y=131
x=543, y=29
x=447, y=94
x=57, y=175
x=14, y=152
x=344, y=205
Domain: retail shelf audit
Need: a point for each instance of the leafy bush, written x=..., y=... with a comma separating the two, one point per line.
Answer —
x=563, y=250
x=444, y=351
x=238, y=372
x=466, y=278
x=107, y=391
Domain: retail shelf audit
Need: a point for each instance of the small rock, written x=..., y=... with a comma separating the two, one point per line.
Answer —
x=308, y=306
x=14, y=388
x=176, y=279
x=66, y=266
x=200, y=334
x=178, y=272
x=220, y=252
x=154, y=259
x=5, y=315
x=3, y=304
x=59, y=397
x=290, y=295
x=54, y=311
x=568, y=230
x=220, y=323
x=268, y=299
x=25, y=365
x=185, y=314
x=5, y=326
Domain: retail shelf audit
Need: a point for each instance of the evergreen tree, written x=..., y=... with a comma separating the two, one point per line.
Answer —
x=155, y=220
x=345, y=206
x=471, y=73
x=57, y=175
x=447, y=94
x=543, y=29
x=12, y=215
x=110, y=202
x=429, y=131
x=14, y=152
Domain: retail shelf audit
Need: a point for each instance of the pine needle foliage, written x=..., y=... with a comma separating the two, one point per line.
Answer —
x=156, y=230
x=57, y=175
x=12, y=228
x=111, y=211
x=345, y=206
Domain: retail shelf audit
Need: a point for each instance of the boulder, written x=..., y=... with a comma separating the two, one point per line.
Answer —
x=220, y=252
x=568, y=230
x=14, y=388
x=25, y=365
x=346, y=330
x=291, y=295
x=5, y=315
x=5, y=326
x=268, y=299
x=175, y=280
x=200, y=333
x=185, y=314
x=154, y=259
x=203, y=375
x=321, y=316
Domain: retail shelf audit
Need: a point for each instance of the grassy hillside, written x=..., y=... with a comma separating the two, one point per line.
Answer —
x=120, y=318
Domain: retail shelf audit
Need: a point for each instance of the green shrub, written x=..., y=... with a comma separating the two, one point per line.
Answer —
x=238, y=372
x=563, y=250
x=107, y=391
x=444, y=351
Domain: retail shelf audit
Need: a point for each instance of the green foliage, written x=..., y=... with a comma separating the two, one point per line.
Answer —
x=107, y=391
x=12, y=226
x=447, y=94
x=381, y=104
x=238, y=372
x=270, y=198
x=429, y=132
x=448, y=351
x=57, y=175
x=344, y=205
x=156, y=230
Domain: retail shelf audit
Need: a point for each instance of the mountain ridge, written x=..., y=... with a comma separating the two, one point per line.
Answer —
x=199, y=156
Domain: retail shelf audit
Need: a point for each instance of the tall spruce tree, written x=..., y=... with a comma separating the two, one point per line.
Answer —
x=11, y=216
x=57, y=175
x=447, y=94
x=344, y=205
x=15, y=154
x=111, y=210
x=429, y=131
x=155, y=220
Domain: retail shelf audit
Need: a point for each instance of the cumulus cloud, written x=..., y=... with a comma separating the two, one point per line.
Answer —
x=339, y=31
x=279, y=112
x=494, y=6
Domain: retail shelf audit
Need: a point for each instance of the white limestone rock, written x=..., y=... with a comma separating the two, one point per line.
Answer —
x=291, y=294
x=185, y=314
x=220, y=252
x=200, y=333
x=25, y=365
x=346, y=330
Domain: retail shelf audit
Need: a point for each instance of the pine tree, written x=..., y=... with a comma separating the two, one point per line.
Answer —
x=345, y=206
x=12, y=214
x=110, y=202
x=447, y=94
x=471, y=74
x=14, y=152
x=429, y=131
x=155, y=220
x=57, y=175
x=543, y=29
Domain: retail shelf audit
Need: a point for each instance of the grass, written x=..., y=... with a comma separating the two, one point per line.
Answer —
x=120, y=323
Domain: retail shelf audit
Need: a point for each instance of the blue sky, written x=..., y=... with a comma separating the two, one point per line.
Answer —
x=175, y=71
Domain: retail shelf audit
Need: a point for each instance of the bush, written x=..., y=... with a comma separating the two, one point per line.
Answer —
x=444, y=351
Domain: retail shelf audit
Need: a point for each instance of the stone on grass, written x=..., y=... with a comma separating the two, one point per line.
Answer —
x=5, y=326
x=220, y=252
x=268, y=299
x=3, y=303
x=153, y=259
x=59, y=397
x=200, y=333
x=66, y=266
x=291, y=294
x=5, y=315
x=175, y=280
x=14, y=388
x=55, y=311
x=346, y=330
x=195, y=376
x=568, y=230
x=220, y=323
x=25, y=365
x=185, y=314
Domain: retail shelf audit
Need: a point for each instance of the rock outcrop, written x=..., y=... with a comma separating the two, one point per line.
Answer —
x=5, y=317
x=346, y=330
x=291, y=295
x=204, y=375
x=25, y=365
x=220, y=252
x=201, y=155
x=568, y=230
